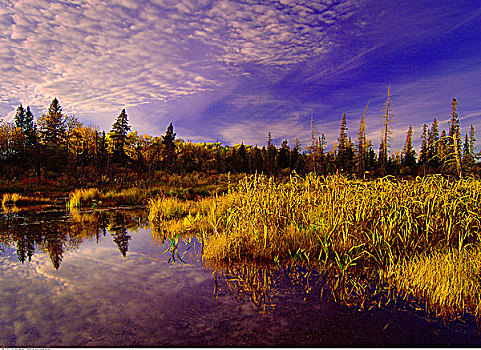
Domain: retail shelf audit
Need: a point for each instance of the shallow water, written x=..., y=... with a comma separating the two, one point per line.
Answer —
x=106, y=280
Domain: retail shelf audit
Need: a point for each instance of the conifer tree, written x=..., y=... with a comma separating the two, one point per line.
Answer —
x=271, y=154
x=409, y=155
x=30, y=128
x=52, y=125
x=472, y=140
x=295, y=154
x=321, y=144
x=454, y=140
x=25, y=121
x=432, y=147
x=118, y=134
x=342, y=151
x=469, y=151
x=20, y=117
x=256, y=160
x=284, y=153
x=242, y=155
x=313, y=148
x=443, y=149
x=423, y=154
x=169, y=149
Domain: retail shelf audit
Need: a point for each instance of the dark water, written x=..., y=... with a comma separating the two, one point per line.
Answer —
x=105, y=280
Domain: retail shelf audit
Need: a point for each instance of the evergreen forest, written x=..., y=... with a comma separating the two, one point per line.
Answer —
x=56, y=148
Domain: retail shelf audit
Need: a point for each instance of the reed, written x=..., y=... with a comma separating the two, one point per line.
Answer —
x=447, y=280
x=343, y=222
x=385, y=228
x=10, y=198
x=21, y=200
x=170, y=216
x=80, y=197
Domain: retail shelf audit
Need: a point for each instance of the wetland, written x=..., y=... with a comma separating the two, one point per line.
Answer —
x=107, y=278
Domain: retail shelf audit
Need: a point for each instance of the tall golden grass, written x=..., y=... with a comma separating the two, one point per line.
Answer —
x=341, y=221
x=396, y=227
x=12, y=201
x=82, y=196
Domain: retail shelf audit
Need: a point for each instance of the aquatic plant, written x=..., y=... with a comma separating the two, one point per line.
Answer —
x=343, y=222
x=170, y=216
x=384, y=228
x=82, y=196
x=21, y=200
x=10, y=198
x=449, y=280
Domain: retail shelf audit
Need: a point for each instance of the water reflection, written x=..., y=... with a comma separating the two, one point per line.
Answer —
x=260, y=284
x=55, y=232
x=102, y=278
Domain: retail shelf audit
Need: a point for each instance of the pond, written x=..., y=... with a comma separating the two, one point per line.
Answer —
x=104, y=279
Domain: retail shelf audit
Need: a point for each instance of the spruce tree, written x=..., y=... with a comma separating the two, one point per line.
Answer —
x=409, y=155
x=30, y=128
x=52, y=125
x=454, y=140
x=25, y=121
x=443, y=150
x=361, y=143
x=118, y=133
x=469, y=151
x=242, y=155
x=169, y=149
x=271, y=154
x=432, y=147
x=295, y=154
x=342, y=152
x=20, y=117
x=284, y=155
x=423, y=154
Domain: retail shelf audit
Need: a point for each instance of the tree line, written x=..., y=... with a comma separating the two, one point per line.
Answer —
x=59, y=146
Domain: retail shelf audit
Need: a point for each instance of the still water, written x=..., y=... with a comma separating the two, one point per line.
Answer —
x=104, y=279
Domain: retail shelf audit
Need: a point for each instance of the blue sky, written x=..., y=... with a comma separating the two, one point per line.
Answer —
x=234, y=70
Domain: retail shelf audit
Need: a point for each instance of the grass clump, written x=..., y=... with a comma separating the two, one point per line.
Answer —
x=21, y=200
x=343, y=222
x=170, y=216
x=82, y=197
x=10, y=198
x=420, y=237
x=448, y=280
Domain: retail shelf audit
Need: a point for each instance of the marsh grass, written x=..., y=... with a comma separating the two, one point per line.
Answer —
x=343, y=222
x=365, y=234
x=14, y=202
x=170, y=216
x=81, y=197
x=449, y=280
x=179, y=187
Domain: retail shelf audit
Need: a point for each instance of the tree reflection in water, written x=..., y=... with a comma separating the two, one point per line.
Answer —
x=56, y=232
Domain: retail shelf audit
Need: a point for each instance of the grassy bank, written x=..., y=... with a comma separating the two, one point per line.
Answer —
x=399, y=228
x=187, y=187
x=14, y=202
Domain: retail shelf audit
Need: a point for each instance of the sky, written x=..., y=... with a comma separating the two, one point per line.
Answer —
x=231, y=71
